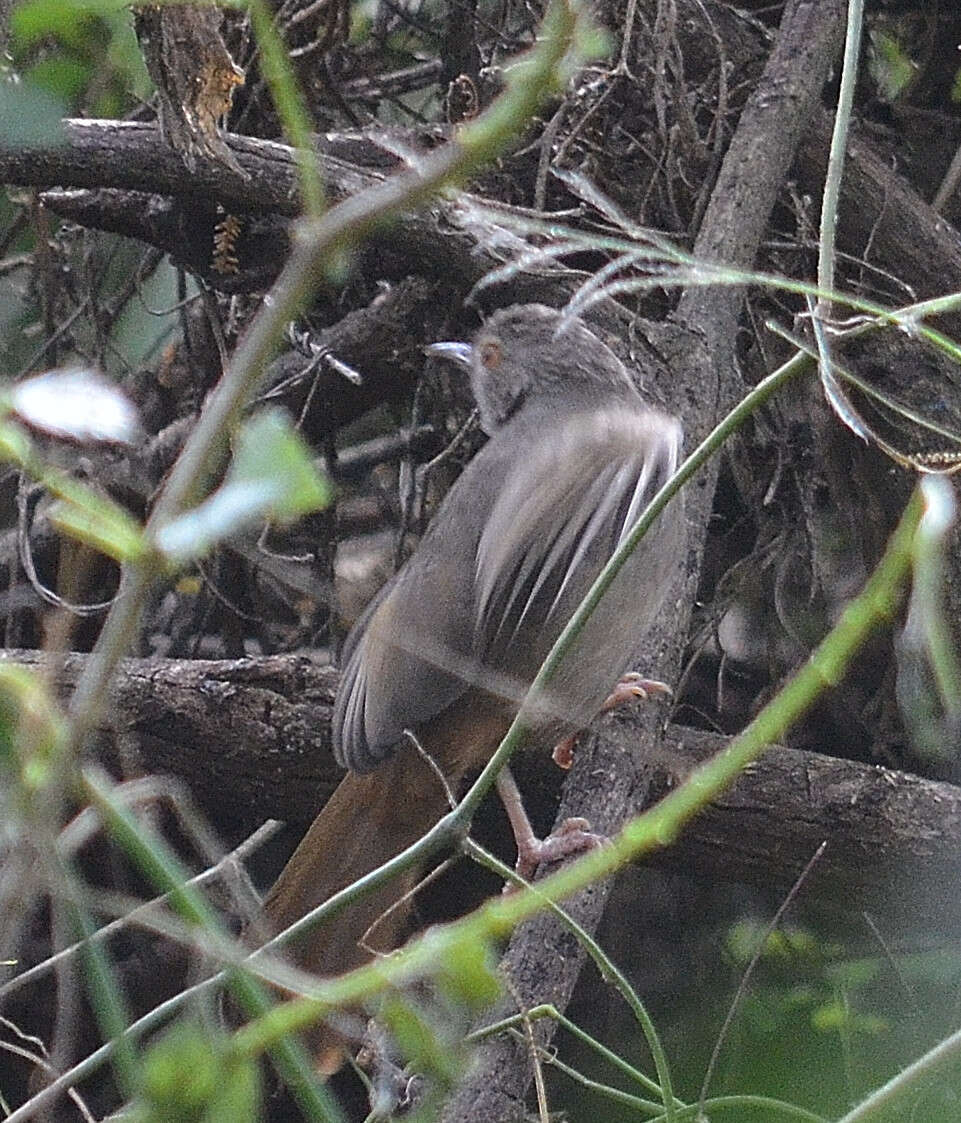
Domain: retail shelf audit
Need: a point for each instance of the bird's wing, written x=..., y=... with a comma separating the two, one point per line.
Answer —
x=573, y=497
x=509, y=555
x=411, y=654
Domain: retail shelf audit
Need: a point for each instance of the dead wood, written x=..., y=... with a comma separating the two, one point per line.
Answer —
x=253, y=737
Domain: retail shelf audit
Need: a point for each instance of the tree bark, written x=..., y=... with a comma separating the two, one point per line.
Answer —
x=253, y=735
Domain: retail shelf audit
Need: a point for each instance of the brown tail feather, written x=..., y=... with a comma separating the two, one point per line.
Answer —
x=368, y=820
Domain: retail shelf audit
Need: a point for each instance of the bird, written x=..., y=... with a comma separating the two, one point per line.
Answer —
x=444, y=654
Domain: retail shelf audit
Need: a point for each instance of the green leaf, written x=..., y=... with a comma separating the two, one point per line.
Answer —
x=853, y=973
x=230, y=509
x=271, y=477
x=100, y=523
x=82, y=512
x=422, y=1041
x=268, y=450
x=98, y=66
x=238, y=1099
x=428, y=1028
x=15, y=445
x=93, y=518
x=891, y=67
x=32, y=730
x=124, y=55
x=468, y=973
x=65, y=19
x=836, y=1017
x=64, y=79
x=191, y=1075
x=30, y=116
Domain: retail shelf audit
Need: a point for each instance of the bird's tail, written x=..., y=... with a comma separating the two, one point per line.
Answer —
x=367, y=821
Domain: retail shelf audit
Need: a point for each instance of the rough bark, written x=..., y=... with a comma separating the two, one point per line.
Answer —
x=137, y=187
x=255, y=734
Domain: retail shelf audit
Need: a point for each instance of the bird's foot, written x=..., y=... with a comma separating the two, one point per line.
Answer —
x=631, y=686
x=573, y=836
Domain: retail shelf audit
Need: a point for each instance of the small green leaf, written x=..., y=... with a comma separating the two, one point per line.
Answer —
x=593, y=42
x=238, y=1099
x=268, y=450
x=422, y=1041
x=65, y=19
x=124, y=55
x=271, y=477
x=891, y=67
x=191, y=1075
x=100, y=523
x=64, y=79
x=93, y=518
x=180, y=1071
x=837, y=1017
x=230, y=509
x=853, y=973
x=82, y=512
x=29, y=115
x=15, y=445
x=467, y=973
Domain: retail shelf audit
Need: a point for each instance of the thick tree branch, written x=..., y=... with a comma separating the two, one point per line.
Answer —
x=704, y=387
x=255, y=734
x=115, y=158
x=136, y=186
x=245, y=734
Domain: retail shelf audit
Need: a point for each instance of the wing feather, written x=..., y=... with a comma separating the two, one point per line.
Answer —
x=574, y=497
x=509, y=556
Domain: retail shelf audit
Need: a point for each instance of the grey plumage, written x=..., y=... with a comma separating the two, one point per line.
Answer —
x=450, y=645
x=574, y=456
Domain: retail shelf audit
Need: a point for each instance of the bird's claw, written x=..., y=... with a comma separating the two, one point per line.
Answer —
x=573, y=836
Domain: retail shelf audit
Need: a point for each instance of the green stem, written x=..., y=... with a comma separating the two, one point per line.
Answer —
x=154, y=860
x=839, y=137
x=289, y=102
x=655, y=828
x=546, y=1010
x=898, y=1090
x=611, y=974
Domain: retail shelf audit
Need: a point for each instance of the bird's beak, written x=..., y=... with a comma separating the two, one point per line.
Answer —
x=457, y=353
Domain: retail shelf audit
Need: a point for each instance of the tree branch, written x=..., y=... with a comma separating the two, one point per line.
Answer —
x=255, y=733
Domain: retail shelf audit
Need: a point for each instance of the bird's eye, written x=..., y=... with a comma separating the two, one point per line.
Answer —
x=490, y=354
